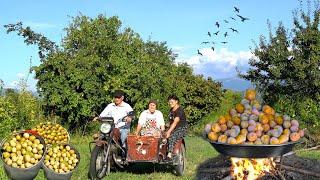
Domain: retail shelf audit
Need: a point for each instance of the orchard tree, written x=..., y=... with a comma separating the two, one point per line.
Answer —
x=286, y=68
x=97, y=56
x=289, y=63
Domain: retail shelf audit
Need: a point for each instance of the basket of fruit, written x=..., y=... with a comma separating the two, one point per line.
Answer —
x=60, y=161
x=52, y=133
x=22, y=154
x=253, y=131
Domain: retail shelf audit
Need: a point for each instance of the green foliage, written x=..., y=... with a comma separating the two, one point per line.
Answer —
x=45, y=45
x=228, y=101
x=18, y=110
x=1, y=87
x=97, y=56
x=289, y=63
x=8, y=120
x=305, y=110
x=287, y=67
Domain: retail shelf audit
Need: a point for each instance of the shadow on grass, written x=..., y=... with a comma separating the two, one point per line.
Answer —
x=146, y=168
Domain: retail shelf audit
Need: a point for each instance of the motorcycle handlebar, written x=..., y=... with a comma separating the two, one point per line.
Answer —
x=105, y=118
x=130, y=114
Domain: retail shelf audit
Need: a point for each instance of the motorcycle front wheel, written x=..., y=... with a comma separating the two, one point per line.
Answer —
x=98, y=168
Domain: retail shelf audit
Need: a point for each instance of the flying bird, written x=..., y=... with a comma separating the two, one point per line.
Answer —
x=209, y=34
x=213, y=42
x=234, y=30
x=217, y=24
x=225, y=34
x=216, y=33
x=224, y=42
x=212, y=48
x=200, y=53
x=226, y=21
x=232, y=18
x=205, y=42
x=236, y=9
x=242, y=18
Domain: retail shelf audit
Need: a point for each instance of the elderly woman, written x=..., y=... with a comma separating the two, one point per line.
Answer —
x=150, y=121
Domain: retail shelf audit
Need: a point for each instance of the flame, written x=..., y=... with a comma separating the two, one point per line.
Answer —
x=249, y=169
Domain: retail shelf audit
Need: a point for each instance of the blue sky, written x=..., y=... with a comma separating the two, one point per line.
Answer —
x=182, y=24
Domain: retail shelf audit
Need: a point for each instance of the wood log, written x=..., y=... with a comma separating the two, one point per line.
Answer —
x=280, y=175
x=230, y=177
x=214, y=170
x=308, y=149
x=302, y=171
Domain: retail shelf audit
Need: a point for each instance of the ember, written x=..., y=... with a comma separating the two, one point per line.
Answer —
x=292, y=167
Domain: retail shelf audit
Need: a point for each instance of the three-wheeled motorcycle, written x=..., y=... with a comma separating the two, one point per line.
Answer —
x=108, y=153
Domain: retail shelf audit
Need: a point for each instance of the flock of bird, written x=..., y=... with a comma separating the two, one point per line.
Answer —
x=225, y=34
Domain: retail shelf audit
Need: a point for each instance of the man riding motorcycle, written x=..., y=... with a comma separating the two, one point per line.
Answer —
x=117, y=110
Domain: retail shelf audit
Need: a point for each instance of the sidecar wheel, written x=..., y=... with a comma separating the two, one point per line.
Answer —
x=181, y=165
x=97, y=169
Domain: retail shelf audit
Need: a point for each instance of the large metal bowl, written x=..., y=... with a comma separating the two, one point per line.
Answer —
x=253, y=151
x=52, y=175
x=23, y=173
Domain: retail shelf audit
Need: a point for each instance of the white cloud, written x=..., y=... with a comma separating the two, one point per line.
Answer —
x=220, y=63
x=21, y=75
x=13, y=84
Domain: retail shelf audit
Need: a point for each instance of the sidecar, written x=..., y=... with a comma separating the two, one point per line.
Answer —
x=154, y=150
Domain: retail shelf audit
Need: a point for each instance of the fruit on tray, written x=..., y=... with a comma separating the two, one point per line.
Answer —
x=61, y=158
x=251, y=123
x=22, y=150
x=52, y=133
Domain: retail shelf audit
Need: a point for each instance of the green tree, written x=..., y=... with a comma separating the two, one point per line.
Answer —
x=18, y=110
x=1, y=87
x=287, y=67
x=97, y=56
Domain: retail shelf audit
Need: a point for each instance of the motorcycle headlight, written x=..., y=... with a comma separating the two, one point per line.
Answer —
x=105, y=128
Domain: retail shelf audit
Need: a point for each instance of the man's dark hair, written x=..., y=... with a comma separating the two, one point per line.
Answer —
x=174, y=97
x=118, y=93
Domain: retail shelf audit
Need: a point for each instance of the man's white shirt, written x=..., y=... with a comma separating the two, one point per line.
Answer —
x=146, y=115
x=117, y=112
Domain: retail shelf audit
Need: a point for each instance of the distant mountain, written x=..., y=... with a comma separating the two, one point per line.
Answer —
x=235, y=83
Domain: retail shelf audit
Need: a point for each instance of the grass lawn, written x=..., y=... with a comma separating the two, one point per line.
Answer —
x=198, y=151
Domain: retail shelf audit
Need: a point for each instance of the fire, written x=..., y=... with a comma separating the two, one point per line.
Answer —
x=249, y=169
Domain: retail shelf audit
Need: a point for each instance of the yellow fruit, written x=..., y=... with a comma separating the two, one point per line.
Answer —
x=236, y=120
x=222, y=120
x=52, y=133
x=58, y=160
x=26, y=135
x=240, y=108
x=250, y=94
x=20, y=151
x=215, y=127
x=212, y=136
x=268, y=110
x=279, y=120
